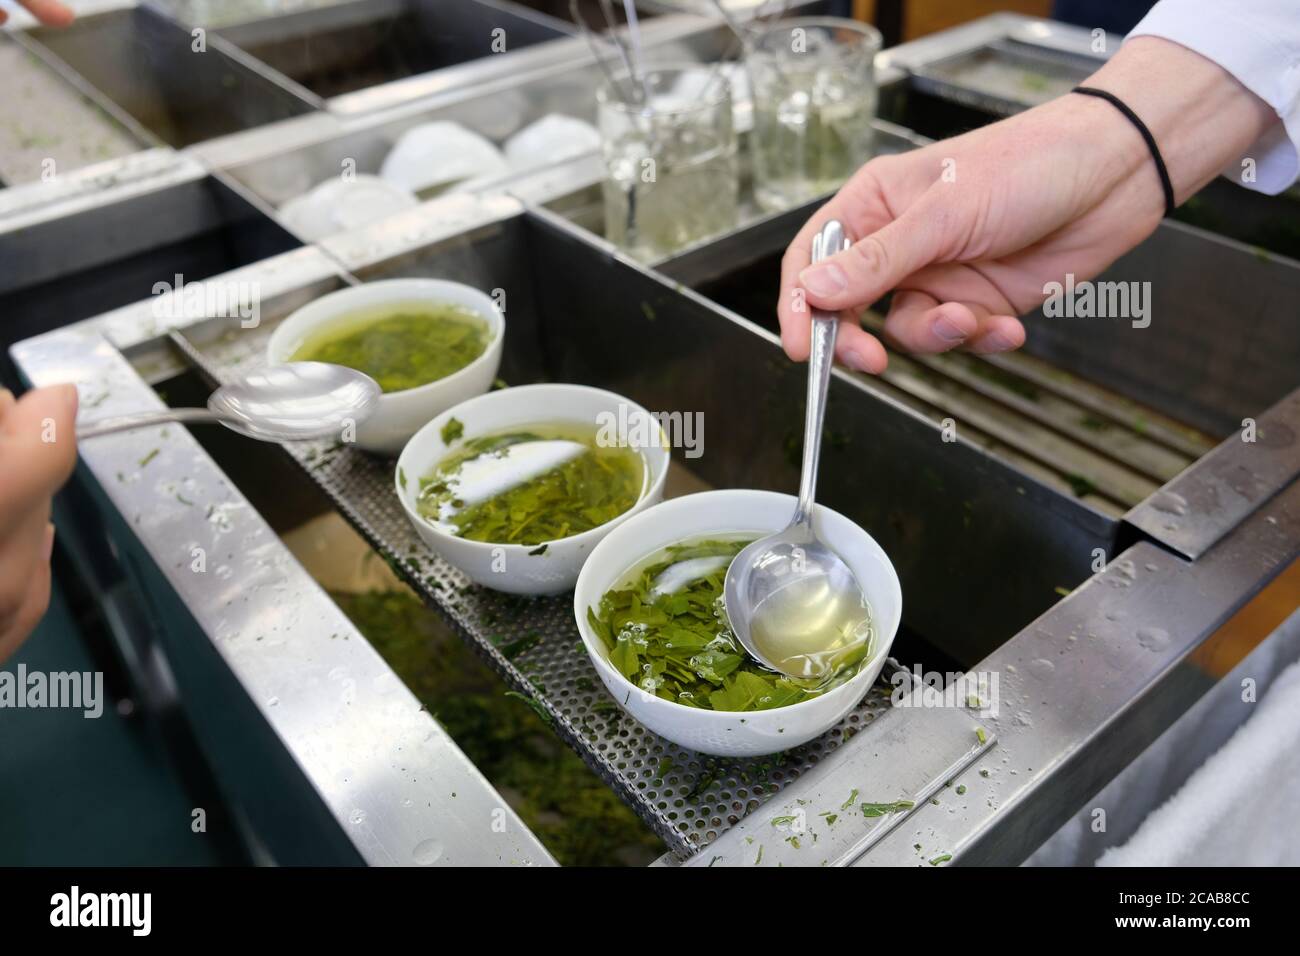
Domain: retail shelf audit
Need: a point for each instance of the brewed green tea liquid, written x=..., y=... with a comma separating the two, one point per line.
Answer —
x=401, y=346
x=812, y=630
x=531, y=485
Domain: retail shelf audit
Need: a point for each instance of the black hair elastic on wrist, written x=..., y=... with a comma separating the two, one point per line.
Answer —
x=1132, y=117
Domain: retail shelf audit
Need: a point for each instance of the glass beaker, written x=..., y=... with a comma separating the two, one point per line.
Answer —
x=813, y=82
x=671, y=169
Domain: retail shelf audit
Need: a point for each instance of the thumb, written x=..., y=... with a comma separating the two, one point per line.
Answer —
x=38, y=444
x=49, y=12
x=877, y=263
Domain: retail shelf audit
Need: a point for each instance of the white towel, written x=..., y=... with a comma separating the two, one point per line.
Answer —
x=1241, y=807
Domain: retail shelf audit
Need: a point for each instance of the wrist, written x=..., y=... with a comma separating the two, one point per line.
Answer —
x=1201, y=117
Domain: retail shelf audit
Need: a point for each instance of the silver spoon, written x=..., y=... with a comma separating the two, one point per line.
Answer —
x=290, y=402
x=792, y=602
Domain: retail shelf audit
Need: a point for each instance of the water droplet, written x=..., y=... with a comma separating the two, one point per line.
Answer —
x=1153, y=638
x=273, y=702
x=1125, y=573
x=1169, y=502
x=1042, y=669
x=427, y=852
x=358, y=816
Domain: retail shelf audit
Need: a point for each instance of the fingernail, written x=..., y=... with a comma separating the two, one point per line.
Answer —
x=948, y=330
x=855, y=361
x=824, y=279
x=998, y=342
x=47, y=548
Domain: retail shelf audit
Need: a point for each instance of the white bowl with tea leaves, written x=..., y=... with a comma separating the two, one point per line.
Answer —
x=429, y=343
x=515, y=488
x=648, y=605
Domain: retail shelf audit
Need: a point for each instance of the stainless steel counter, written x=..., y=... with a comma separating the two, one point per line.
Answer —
x=322, y=743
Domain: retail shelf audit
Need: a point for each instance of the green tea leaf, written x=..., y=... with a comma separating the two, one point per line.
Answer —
x=625, y=657
x=451, y=431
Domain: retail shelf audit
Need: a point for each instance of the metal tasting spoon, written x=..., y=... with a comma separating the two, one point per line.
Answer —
x=290, y=402
x=792, y=602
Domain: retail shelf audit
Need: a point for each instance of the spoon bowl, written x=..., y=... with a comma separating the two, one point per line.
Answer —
x=800, y=608
x=295, y=401
x=291, y=402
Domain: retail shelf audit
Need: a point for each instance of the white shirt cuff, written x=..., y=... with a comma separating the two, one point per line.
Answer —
x=1258, y=42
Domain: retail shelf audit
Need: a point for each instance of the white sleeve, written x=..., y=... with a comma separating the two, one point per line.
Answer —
x=1258, y=42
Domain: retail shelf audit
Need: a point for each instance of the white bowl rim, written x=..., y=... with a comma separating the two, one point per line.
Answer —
x=593, y=645
x=417, y=287
x=655, y=486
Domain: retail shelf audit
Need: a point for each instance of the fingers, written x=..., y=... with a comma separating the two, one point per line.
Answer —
x=879, y=261
x=918, y=322
x=854, y=346
x=859, y=349
x=22, y=555
x=791, y=308
x=35, y=602
x=998, y=333
x=50, y=12
x=38, y=449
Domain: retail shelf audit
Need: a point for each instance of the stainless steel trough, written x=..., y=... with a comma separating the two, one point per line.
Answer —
x=1078, y=521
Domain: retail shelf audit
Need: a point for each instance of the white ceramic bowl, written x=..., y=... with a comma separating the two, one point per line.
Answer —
x=510, y=567
x=399, y=414
x=751, y=733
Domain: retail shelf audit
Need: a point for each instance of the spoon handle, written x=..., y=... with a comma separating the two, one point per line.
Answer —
x=825, y=325
x=122, y=423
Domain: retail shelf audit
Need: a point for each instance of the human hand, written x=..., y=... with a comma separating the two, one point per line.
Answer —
x=967, y=232
x=49, y=12
x=38, y=449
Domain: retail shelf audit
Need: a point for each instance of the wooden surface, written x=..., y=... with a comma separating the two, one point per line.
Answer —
x=927, y=16
x=1241, y=633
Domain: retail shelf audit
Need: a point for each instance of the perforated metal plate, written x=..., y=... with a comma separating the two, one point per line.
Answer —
x=687, y=798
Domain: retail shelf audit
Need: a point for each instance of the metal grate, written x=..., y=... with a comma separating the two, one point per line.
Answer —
x=687, y=798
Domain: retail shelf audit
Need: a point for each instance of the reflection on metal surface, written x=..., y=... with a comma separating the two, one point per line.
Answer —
x=145, y=64
x=47, y=126
x=340, y=48
x=1197, y=508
